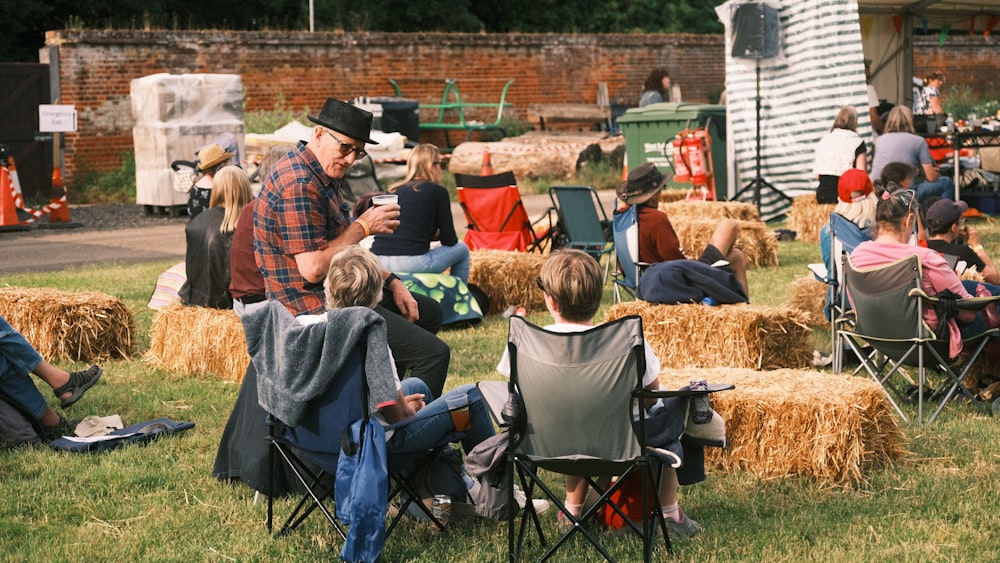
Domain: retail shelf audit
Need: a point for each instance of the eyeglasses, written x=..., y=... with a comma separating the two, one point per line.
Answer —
x=541, y=286
x=348, y=148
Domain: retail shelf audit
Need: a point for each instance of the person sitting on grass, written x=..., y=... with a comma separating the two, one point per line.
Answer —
x=18, y=358
x=572, y=284
x=948, y=234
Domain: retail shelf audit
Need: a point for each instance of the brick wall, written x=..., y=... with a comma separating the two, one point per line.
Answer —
x=303, y=69
x=965, y=60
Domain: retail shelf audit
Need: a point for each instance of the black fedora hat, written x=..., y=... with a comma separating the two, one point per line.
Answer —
x=345, y=118
x=642, y=184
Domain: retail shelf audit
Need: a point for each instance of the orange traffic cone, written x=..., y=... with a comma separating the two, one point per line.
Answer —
x=486, y=169
x=58, y=205
x=8, y=212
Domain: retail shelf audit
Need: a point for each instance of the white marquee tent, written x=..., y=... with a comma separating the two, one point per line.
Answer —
x=820, y=68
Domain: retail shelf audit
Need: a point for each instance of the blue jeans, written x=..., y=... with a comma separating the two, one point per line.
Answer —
x=432, y=425
x=977, y=325
x=17, y=359
x=943, y=187
x=434, y=261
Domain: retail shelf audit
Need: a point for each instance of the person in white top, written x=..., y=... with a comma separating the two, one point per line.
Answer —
x=838, y=151
x=572, y=283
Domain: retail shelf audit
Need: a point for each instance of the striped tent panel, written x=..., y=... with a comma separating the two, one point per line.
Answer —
x=819, y=69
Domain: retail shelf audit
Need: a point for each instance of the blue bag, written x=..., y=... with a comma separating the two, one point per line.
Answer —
x=362, y=489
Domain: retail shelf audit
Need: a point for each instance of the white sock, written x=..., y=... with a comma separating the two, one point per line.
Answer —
x=574, y=509
x=673, y=512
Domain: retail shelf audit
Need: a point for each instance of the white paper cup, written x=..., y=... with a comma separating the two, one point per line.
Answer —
x=385, y=199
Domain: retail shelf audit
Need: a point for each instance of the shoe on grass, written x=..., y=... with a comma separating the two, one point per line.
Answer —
x=79, y=382
x=540, y=505
x=686, y=528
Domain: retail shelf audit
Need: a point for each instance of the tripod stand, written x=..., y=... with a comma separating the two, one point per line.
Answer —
x=759, y=182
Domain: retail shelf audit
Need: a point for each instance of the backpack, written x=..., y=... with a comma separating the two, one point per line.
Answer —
x=487, y=465
x=16, y=428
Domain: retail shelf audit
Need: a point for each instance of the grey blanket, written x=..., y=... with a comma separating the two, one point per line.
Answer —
x=296, y=363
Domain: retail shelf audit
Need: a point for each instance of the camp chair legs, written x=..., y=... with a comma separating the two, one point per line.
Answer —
x=405, y=487
x=315, y=490
x=882, y=369
x=528, y=477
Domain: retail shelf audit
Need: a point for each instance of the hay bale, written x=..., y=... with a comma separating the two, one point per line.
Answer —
x=697, y=209
x=86, y=326
x=508, y=278
x=809, y=296
x=739, y=336
x=199, y=340
x=806, y=423
x=669, y=195
x=807, y=217
x=755, y=239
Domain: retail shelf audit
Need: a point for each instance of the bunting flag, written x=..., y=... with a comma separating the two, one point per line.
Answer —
x=991, y=22
x=923, y=24
x=866, y=26
x=945, y=28
x=819, y=69
x=897, y=22
x=972, y=26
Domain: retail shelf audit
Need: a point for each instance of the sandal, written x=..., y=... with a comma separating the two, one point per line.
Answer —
x=79, y=382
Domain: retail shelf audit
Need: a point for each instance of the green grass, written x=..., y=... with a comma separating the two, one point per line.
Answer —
x=160, y=502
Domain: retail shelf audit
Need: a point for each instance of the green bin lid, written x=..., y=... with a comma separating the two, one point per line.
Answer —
x=671, y=111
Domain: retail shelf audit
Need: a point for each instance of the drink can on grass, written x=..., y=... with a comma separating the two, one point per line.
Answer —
x=442, y=508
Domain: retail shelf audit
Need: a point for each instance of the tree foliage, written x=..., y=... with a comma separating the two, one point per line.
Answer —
x=22, y=31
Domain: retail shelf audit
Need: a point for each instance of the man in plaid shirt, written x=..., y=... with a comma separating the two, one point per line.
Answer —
x=301, y=221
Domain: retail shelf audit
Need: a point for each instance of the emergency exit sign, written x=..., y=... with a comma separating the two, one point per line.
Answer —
x=56, y=118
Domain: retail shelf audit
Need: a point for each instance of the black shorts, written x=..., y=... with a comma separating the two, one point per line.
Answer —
x=711, y=255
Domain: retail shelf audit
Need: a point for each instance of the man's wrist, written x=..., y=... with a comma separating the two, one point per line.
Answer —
x=389, y=279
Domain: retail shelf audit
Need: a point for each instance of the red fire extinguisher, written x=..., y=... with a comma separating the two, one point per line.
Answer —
x=695, y=157
x=681, y=172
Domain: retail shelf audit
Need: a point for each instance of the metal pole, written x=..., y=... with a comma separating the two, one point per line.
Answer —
x=311, y=22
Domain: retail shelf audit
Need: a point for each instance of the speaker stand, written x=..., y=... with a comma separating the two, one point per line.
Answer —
x=759, y=183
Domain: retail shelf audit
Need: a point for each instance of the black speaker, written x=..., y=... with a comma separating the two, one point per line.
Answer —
x=755, y=31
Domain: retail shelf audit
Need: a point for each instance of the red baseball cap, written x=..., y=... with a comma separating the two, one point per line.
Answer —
x=853, y=180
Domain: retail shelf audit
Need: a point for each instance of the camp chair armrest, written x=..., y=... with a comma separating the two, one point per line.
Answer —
x=965, y=304
x=666, y=393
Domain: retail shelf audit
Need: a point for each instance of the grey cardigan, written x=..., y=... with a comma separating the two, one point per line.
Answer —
x=296, y=363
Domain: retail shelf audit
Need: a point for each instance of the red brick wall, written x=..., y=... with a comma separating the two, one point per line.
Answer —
x=303, y=69
x=964, y=60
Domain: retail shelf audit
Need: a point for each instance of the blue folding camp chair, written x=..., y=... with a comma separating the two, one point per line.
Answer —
x=625, y=229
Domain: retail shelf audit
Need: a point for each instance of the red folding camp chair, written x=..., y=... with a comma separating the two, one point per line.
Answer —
x=496, y=215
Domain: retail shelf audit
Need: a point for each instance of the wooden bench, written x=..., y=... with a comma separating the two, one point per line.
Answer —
x=451, y=111
x=548, y=114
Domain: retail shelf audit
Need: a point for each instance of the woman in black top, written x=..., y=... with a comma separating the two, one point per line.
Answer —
x=424, y=217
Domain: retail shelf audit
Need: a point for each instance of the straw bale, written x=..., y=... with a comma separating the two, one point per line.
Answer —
x=508, y=278
x=791, y=422
x=672, y=195
x=199, y=340
x=807, y=217
x=809, y=296
x=739, y=336
x=87, y=326
x=697, y=209
x=755, y=239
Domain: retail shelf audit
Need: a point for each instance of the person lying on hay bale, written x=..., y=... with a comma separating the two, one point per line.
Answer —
x=658, y=241
x=572, y=281
x=18, y=358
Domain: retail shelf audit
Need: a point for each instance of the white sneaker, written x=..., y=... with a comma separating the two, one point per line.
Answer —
x=520, y=498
